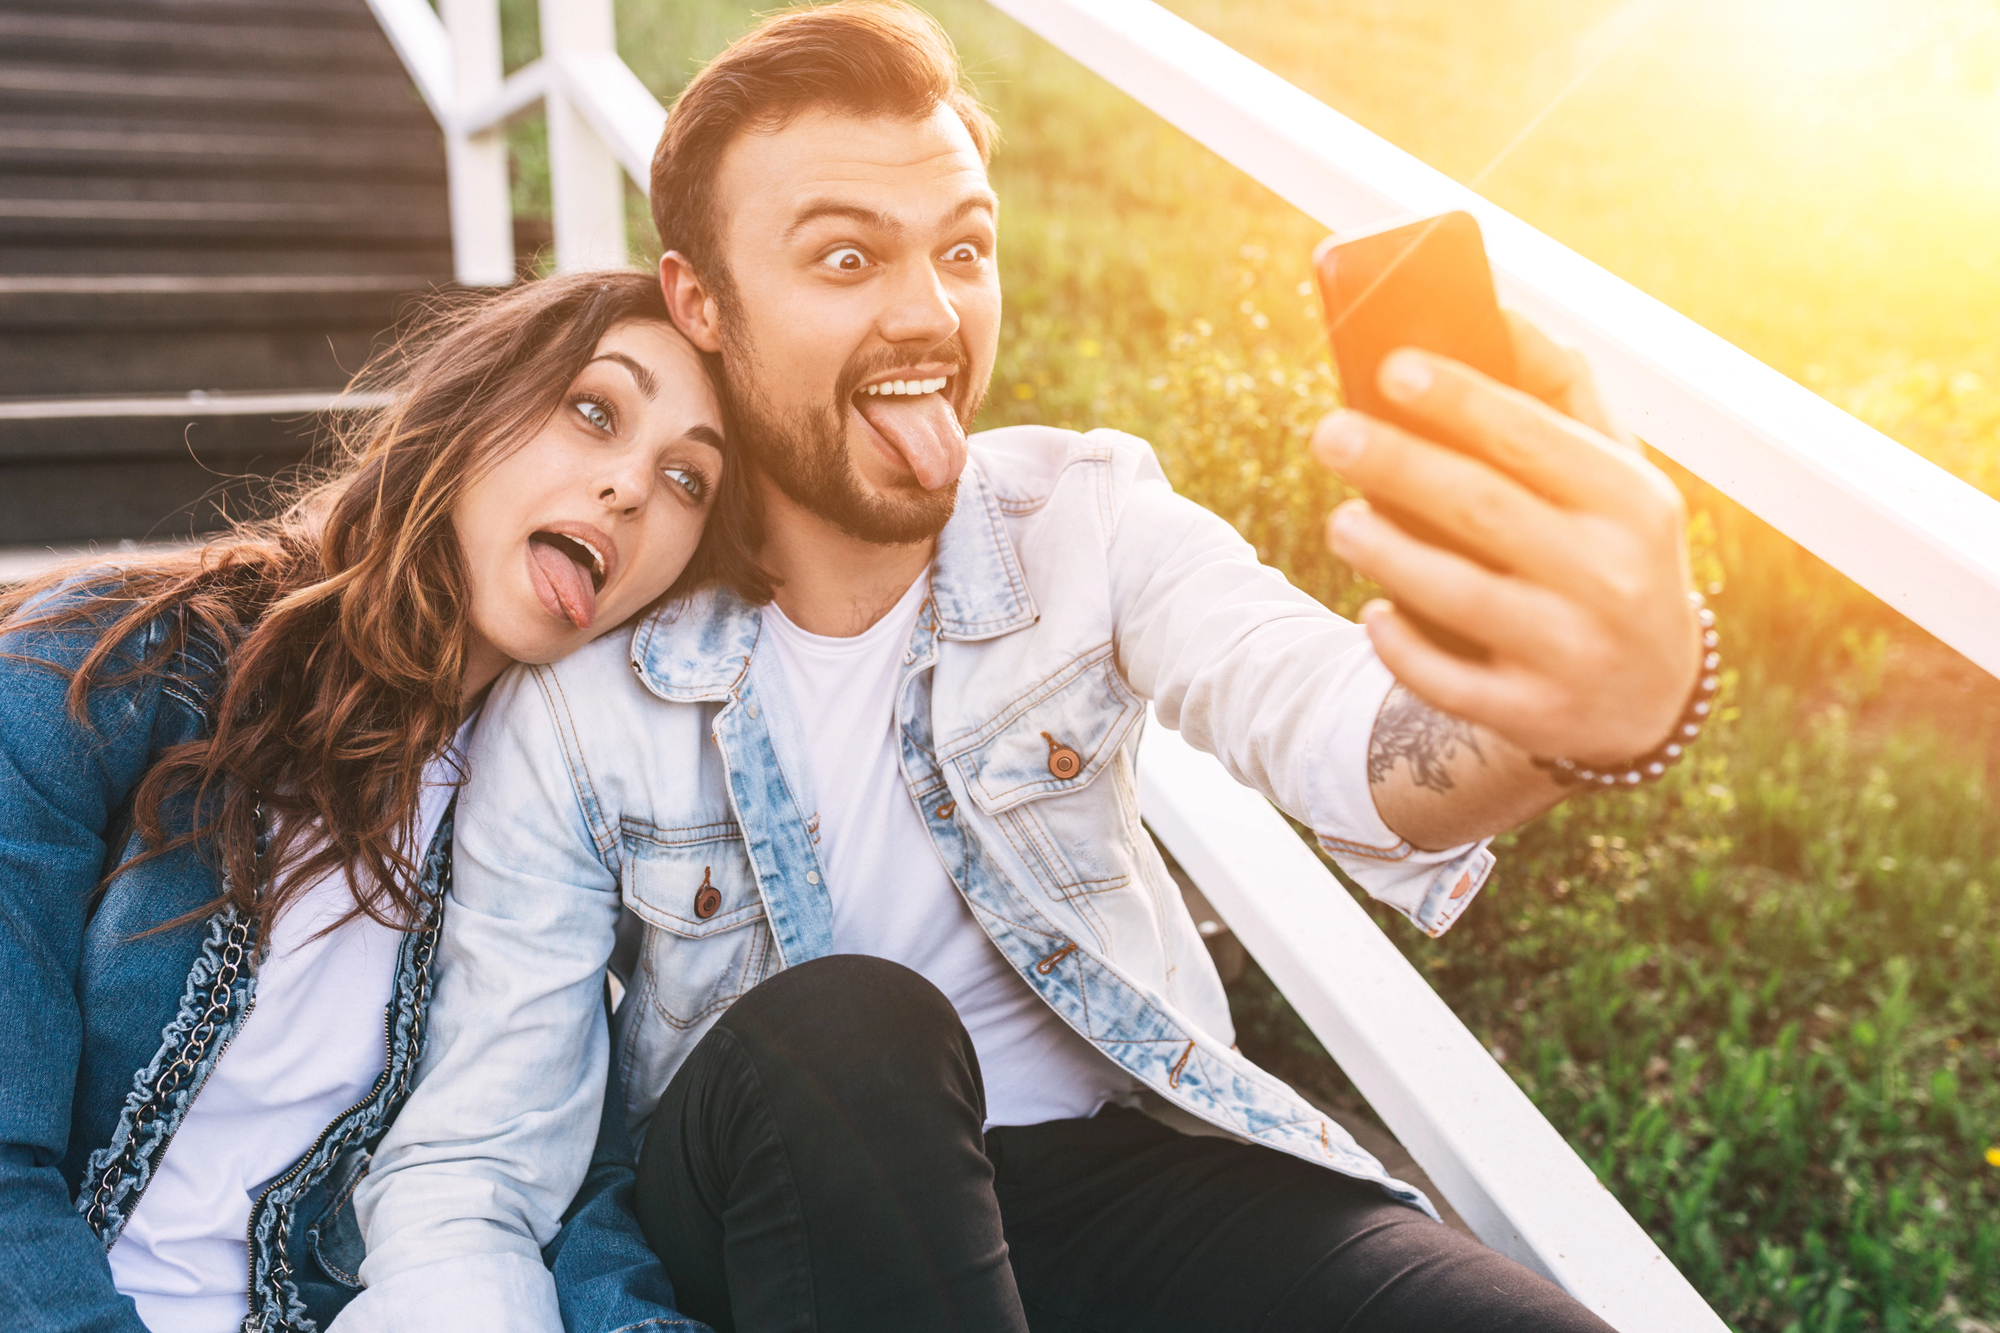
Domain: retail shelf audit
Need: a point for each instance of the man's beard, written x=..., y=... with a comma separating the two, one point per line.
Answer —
x=805, y=450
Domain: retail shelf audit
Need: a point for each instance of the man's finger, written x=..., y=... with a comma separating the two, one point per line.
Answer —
x=1560, y=377
x=1468, y=690
x=1563, y=459
x=1516, y=619
x=1478, y=507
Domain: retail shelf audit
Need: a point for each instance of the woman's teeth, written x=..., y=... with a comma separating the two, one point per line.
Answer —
x=908, y=386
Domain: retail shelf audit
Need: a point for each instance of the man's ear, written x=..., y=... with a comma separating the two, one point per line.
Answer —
x=696, y=313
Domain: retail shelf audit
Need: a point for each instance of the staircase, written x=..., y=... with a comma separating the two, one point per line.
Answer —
x=209, y=211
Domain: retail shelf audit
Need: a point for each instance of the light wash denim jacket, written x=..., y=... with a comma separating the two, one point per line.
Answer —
x=1070, y=587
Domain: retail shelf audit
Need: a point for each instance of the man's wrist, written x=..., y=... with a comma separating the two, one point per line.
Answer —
x=1694, y=716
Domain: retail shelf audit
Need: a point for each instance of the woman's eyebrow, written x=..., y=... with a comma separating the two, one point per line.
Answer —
x=707, y=435
x=640, y=375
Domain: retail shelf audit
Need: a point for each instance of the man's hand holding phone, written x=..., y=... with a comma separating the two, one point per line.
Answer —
x=1571, y=571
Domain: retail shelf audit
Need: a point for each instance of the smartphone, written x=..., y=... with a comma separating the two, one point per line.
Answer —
x=1413, y=284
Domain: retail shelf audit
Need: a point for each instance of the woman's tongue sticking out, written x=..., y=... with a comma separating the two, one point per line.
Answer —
x=562, y=578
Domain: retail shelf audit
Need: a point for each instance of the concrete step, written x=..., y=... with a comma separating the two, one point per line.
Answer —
x=153, y=146
x=54, y=89
x=249, y=39
x=84, y=470
x=62, y=363
x=113, y=302
x=34, y=210
x=423, y=262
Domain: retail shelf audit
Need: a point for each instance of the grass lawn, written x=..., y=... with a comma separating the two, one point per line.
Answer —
x=1763, y=999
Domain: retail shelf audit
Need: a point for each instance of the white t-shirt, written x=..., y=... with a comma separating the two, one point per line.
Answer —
x=890, y=893
x=311, y=1047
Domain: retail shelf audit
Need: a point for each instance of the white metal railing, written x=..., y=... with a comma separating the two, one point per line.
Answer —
x=602, y=125
x=1922, y=540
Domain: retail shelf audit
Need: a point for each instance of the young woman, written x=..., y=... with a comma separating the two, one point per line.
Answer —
x=225, y=790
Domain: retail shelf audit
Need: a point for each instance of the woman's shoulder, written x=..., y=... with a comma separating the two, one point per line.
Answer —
x=62, y=629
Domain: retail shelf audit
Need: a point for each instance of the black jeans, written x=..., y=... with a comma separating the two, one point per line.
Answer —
x=818, y=1164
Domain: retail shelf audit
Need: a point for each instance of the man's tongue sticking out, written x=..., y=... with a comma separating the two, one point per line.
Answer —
x=923, y=430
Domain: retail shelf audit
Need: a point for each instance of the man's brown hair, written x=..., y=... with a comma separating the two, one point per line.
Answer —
x=864, y=57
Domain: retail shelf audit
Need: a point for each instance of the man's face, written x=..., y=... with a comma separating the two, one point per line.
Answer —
x=861, y=331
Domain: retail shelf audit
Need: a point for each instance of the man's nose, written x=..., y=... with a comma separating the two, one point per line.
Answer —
x=919, y=310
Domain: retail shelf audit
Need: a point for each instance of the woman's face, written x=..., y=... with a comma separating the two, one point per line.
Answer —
x=598, y=513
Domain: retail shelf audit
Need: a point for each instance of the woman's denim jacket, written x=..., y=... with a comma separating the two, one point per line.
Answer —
x=115, y=1029
x=658, y=770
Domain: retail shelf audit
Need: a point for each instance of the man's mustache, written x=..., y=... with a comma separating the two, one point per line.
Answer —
x=864, y=368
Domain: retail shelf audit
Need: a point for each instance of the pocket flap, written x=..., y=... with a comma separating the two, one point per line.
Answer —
x=671, y=873
x=1088, y=710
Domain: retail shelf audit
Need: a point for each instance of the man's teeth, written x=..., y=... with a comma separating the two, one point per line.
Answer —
x=908, y=386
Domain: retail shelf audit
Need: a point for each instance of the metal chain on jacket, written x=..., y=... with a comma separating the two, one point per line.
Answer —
x=236, y=953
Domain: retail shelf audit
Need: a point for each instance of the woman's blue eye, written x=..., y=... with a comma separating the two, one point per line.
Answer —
x=689, y=480
x=594, y=413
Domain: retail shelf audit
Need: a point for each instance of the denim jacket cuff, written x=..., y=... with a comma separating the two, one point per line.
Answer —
x=1432, y=889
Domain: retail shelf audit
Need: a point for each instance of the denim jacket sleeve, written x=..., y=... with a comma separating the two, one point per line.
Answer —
x=1261, y=675
x=62, y=785
x=607, y=1278
x=474, y=1178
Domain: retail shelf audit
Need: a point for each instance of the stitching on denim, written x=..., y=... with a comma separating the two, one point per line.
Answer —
x=1338, y=846
x=217, y=994
x=1052, y=683
x=340, y=1201
x=579, y=768
x=691, y=835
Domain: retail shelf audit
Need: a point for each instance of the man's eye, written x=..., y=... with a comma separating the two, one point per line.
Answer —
x=965, y=252
x=689, y=480
x=594, y=412
x=847, y=259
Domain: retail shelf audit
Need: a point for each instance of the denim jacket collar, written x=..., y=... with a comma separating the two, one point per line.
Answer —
x=699, y=650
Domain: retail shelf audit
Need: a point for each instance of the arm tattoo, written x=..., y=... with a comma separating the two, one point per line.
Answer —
x=1408, y=728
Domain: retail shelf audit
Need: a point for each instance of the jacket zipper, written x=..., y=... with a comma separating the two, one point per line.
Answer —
x=159, y=1154
x=250, y=1230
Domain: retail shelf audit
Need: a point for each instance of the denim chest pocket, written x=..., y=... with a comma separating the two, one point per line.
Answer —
x=1055, y=774
x=707, y=939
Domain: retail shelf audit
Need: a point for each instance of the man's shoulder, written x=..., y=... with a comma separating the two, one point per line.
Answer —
x=598, y=675
x=1027, y=465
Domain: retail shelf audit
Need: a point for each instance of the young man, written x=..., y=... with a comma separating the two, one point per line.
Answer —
x=920, y=1034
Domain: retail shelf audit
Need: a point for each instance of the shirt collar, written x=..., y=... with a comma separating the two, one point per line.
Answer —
x=698, y=649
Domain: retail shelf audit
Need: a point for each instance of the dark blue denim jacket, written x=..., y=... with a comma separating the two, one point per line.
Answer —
x=114, y=1029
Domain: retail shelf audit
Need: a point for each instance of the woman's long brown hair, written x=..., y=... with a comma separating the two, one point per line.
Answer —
x=343, y=620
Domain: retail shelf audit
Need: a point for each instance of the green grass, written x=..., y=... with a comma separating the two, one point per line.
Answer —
x=1762, y=999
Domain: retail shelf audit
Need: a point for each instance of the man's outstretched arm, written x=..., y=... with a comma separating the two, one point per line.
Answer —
x=1579, y=594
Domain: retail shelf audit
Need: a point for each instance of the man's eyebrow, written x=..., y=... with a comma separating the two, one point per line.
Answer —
x=982, y=202
x=833, y=208
x=640, y=375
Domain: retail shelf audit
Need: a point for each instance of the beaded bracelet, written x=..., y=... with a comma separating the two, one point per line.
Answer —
x=1655, y=762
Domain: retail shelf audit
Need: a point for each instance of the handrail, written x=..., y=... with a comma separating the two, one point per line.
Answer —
x=1919, y=538
x=1510, y=1175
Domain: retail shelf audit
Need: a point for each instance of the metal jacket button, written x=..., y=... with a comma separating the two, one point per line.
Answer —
x=1063, y=762
x=707, y=898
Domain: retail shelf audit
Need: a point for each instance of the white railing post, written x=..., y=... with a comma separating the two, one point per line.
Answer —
x=482, y=218
x=586, y=183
